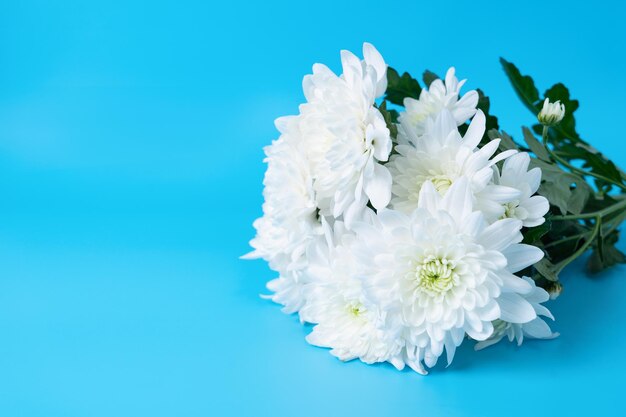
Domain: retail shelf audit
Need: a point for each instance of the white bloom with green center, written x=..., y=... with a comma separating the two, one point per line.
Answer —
x=534, y=329
x=527, y=207
x=551, y=114
x=346, y=321
x=441, y=156
x=289, y=223
x=435, y=98
x=443, y=272
x=346, y=136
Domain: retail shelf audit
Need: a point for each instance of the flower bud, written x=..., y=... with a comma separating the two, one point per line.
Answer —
x=555, y=290
x=552, y=113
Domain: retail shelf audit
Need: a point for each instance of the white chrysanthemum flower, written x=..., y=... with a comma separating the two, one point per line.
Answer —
x=534, y=329
x=346, y=321
x=435, y=98
x=528, y=208
x=551, y=113
x=288, y=290
x=442, y=157
x=443, y=272
x=346, y=136
x=290, y=222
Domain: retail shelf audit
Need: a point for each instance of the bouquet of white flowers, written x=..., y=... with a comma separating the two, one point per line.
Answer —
x=402, y=222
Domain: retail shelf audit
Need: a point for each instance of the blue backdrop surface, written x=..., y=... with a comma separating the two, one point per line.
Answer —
x=131, y=138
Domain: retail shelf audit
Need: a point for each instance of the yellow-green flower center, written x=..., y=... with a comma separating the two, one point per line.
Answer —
x=509, y=210
x=356, y=309
x=435, y=274
x=441, y=183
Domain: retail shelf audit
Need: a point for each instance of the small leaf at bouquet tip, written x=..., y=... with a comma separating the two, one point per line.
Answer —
x=400, y=87
x=523, y=85
x=547, y=269
x=429, y=77
x=391, y=117
x=535, y=146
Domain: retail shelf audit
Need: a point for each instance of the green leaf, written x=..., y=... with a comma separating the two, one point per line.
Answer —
x=600, y=242
x=612, y=256
x=429, y=77
x=592, y=160
x=484, y=104
x=578, y=199
x=534, y=234
x=557, y=196
x=523, y=85
x=547, y=270
x=606, y=256
x=535, y=146
x=506, y=141
x=400, y=87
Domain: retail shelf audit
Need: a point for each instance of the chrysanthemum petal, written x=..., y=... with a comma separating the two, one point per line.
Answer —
x=515, y=309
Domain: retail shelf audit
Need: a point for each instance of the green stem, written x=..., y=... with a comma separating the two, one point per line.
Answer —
x=583, y=248
x=614, y=223
x=564, y=240
x=593, y=214
x=571, y=167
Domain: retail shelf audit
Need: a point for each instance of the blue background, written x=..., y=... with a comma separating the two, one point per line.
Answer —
x=130, y=172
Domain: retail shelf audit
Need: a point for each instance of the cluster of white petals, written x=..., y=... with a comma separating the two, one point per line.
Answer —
x=443, y=272
x=345, y=135
x=399, y=256
x=437, y=97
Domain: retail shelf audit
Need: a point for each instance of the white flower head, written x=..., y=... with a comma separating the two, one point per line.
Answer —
x=534, y=329
x=346, y=136
x=528, y=208
x=289, y=223
x=346, y=321
x=435, y=98
x=551, y=113
x=443, y=272
x=441, y=156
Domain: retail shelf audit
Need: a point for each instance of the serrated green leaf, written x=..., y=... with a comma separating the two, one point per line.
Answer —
x=535, y=146
x=400, y=87
x=506, y=141
x=523, y=85
x=483, y=101
x=600, y=242
x=578, y=200
x=593, y=161
x=606, y=256
x=556, y=195
x=484, y=105
x=429, y=77
x=612, y=256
